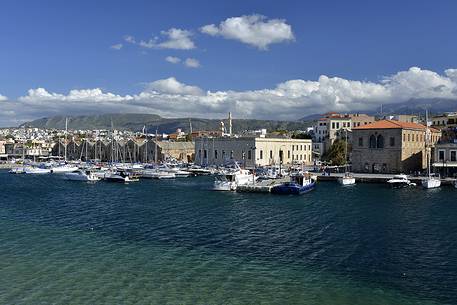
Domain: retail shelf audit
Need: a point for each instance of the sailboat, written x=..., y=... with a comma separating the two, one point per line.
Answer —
x=431, y=181
x=348, y=178
x=64, y=168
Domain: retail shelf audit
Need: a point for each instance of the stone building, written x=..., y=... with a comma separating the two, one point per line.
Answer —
x=252, y=151
x=389, y=146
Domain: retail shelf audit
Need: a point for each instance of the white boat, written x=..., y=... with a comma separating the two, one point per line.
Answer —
x=117, y=177
x=157, y=174
x=400, y=181
x=455, y=184
x=37, y=170
x=81, y=175
x=347, y=179
x=431, y=181
x=62, y=169
x=230, y=180
x=17, y=170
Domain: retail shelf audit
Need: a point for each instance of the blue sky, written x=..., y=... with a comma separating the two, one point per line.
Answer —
x=67, y=45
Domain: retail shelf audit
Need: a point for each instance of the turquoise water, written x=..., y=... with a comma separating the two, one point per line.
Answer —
x=176, y=242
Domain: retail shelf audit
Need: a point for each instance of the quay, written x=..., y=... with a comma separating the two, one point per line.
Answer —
x=377, y=178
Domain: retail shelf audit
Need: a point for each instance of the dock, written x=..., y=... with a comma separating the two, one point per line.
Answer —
x=377, y=178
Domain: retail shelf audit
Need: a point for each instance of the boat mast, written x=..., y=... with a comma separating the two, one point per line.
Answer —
x=346, y=152
x=427, y=144
x=66, y=131
x=155, y=150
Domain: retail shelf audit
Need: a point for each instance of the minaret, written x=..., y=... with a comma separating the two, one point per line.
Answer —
x=230, y=123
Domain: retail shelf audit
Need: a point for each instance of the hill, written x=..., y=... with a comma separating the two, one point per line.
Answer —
x=135, y=122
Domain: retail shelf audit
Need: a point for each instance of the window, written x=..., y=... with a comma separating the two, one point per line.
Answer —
x=453, y=155
x=441, y=155
x=199, y=153
x=392, y=141
x=205, y=154
x=409, y=138
x=337, y=125
x=380, y=142
x=372, y=141
x=333, y=125
x=404, y=137
x=223, y=154
x=261, y=154
x=215, y=154
x=417, y=138
x=361, y=142
x=249, y=155
x=288, y=154
x=301, y=147
x=271, y=154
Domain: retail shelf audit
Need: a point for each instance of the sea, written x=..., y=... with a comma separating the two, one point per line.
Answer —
x=178, y=242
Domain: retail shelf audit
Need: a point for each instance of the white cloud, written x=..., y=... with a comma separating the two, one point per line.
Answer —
x=117, y=46
x=191, y=63
x=254, y=30
x=172, y=86
x=173, y=59
x=176, y=39
x=3, y=98
x=291, y=99
x=130, y=39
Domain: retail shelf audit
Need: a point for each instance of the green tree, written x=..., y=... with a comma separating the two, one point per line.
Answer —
x=336, y=154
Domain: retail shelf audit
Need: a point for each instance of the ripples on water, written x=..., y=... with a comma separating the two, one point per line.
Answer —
x=176, y=242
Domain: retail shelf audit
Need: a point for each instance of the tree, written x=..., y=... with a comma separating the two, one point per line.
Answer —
x=301, y=135
x=336, y=154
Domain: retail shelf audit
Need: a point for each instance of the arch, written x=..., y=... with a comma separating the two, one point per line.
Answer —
x=372, y=141
x=380, y=142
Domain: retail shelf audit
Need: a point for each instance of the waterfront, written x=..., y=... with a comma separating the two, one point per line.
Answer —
x=177, y=242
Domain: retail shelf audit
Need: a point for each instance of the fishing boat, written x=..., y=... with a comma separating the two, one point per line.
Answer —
x=299, y=184
x=229, y=180
x=348, y=178
x=399, y=181
x=82, y=175
x=431, y=181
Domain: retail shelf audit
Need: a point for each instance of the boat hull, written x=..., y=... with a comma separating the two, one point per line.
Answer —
x=293, y=189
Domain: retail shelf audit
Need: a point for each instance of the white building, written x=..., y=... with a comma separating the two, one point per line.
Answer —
x=252, y=151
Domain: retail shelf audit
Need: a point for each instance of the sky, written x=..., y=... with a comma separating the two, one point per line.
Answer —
x=257, y=59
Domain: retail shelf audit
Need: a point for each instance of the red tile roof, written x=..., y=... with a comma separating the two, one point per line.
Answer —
x=391, y=124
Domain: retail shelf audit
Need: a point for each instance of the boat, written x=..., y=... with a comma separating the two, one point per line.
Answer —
x=17, y=170
x=229, y=180
x=65, y=168
x=156, y=173
x=431, y=181
x=82, y=175
x=32, y=170
x=347, y=179
x=299, y=184
x=118, y=176
x=399, y=181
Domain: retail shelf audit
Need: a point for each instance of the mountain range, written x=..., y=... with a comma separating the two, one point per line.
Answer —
x=152, y=122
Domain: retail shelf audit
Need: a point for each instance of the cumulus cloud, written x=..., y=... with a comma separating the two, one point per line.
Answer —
x=129, y=39
x=117, y=46
x=3, y=98
x=175, y=39
x=191, y=63
x=254, y=30
x=291, y=99
x=173, y=59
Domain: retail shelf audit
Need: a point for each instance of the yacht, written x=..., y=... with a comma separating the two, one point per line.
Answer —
x=299, y=184
x=118, y=176
x=36, y=170
x=17, y=170
x=231, y=179
x=401, y=180
x=156, y=173
x=82, y=175
x=431, y=181
x=65, y=168
x=347, y=179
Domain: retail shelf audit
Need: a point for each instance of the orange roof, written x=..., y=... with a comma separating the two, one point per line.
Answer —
x=391, y=124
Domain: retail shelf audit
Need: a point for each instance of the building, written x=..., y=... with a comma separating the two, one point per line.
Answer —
x=445, y=159
x=253, y=151
x=360, y=119
x=446, y=120
x=389, y=146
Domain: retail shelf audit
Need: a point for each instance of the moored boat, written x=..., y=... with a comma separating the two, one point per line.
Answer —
x=400, y=180
x=81, y=175
x=299, y=184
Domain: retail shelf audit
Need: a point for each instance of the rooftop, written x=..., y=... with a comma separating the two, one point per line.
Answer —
x=391, y=124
